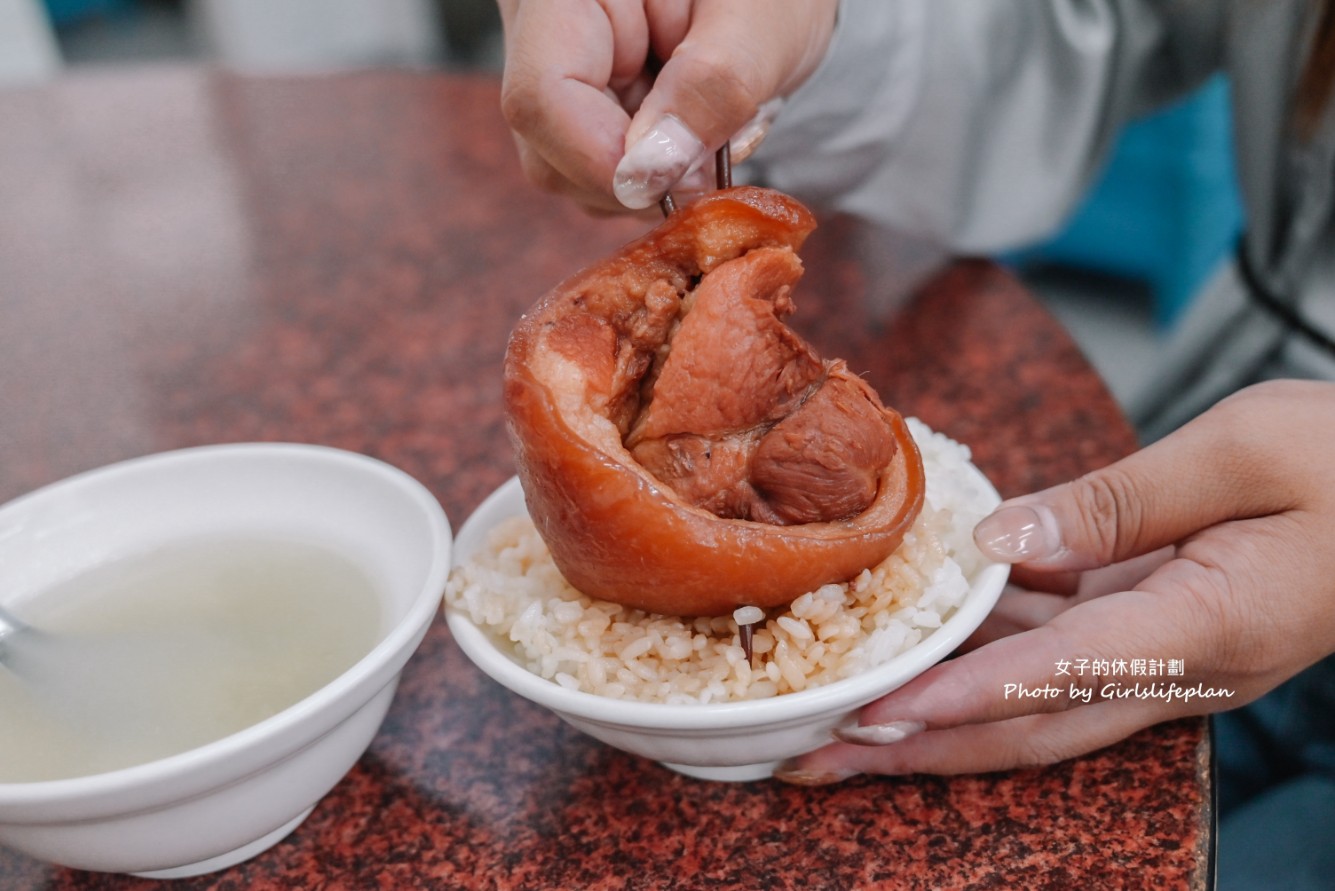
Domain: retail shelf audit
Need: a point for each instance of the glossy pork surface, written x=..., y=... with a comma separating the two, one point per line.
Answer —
x=743, y=418
x=681, y=449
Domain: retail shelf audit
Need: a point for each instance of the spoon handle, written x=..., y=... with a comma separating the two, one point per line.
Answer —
x=10, y=624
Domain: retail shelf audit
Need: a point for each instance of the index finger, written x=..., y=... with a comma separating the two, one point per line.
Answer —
x=563, y=62
x=1217, y=468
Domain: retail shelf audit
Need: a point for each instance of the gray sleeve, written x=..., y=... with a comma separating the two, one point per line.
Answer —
x=978, y=124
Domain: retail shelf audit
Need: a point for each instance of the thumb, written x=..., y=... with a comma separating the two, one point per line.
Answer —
x=719, y=82
x=1201, y=475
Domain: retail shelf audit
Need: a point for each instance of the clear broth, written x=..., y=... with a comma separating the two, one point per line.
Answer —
x=158, y=654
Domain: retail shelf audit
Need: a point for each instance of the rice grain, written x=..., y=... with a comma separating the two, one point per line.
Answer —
x=512, y=589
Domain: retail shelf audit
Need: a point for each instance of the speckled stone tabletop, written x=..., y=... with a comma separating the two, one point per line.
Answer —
x=191, y=257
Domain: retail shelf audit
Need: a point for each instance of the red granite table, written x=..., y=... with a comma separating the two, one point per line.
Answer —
x=190, y=257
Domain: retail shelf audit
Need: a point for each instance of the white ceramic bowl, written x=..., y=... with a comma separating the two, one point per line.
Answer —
x=226, y=801
x=735, y=741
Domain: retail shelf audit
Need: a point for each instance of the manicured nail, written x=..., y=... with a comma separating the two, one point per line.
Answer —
x=753, y=132
x=799, y=777
x=879, y=734
x=1019, y=532
x=655, y=163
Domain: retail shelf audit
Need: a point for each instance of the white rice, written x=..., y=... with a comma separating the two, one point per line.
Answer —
x=512, y=589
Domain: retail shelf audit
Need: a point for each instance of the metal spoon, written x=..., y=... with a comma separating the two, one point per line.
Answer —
x=13, y=632
x=108, y=677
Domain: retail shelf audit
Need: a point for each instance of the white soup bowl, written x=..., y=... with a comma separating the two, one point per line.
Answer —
x=218, y=804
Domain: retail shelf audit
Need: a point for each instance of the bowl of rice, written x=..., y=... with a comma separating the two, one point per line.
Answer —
x=680, y=690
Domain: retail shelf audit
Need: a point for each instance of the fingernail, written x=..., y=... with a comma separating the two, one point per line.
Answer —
x=753, y=132
x=1018, y=532
x=800, y=777
x=879, y=734
x=655, y=163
